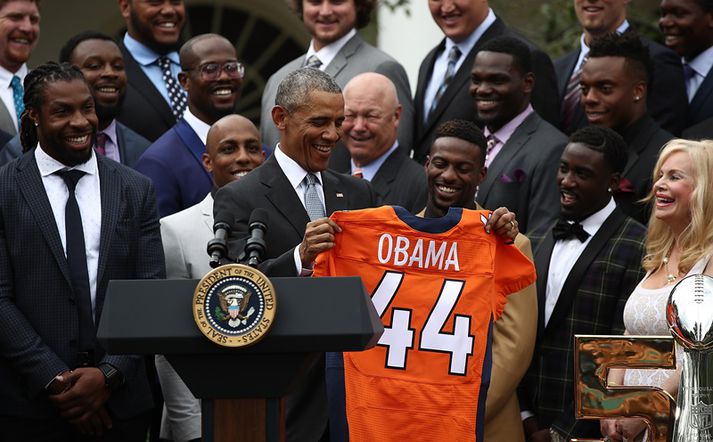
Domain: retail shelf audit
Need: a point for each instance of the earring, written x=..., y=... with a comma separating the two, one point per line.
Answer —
x=637, y=98
x=609, y=189
x=36, y=123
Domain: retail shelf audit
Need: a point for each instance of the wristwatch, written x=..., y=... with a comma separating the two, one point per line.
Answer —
x=113, y=378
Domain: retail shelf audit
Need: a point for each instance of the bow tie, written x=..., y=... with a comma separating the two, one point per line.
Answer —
x=566, y=230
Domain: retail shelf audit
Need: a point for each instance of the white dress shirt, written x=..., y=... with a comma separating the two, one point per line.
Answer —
x=199, y=127
x=441, y=64
x=6, y=94
x=370, y=170
x=565, y=254
x=88, y=194
x=296, y=176
x=327, y=53
x=701, y=65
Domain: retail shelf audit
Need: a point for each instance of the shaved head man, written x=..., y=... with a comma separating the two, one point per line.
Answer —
x=372, y=114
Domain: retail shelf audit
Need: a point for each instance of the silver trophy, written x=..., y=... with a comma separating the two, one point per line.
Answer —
x=689, y=313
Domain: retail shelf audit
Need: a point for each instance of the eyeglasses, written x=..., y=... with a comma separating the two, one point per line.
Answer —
x=211, y=71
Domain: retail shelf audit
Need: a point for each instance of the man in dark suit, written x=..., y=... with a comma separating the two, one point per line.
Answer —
x=587, y=265
x=153, y=99
x=72, y=221
x=467, y=25
x=687, y=26
x=700, y=131
x=372, y=117
x=212, y=76
x=615, y=83
x=523, y=149
x=19, y=34
x=667, y=97
x=100, y=60
x=337, y=49
x=298, y=192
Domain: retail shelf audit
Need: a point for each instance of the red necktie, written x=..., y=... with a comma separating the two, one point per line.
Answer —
x=100, y=144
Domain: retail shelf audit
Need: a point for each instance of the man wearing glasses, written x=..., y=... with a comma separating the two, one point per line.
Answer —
x=212, y=77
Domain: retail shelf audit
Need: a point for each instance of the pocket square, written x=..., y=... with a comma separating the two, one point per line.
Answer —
x=518, y=176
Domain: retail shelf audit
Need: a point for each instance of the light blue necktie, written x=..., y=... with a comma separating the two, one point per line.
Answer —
x=453, y=57
x=313, y=203
x=17, y=93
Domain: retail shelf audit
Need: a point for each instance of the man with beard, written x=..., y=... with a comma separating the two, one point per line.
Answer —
x=588, y=263
x=71, y=222
x=523, y=149
x=212, y=76
x=154, y=100
x=99, y=59
x=19, y=33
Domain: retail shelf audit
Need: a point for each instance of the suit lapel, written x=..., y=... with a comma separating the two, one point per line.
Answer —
x=332, y=191
x=514, y=144
x=385, y=176
x=637, y=138
x=282, y=195
x=191, y=142
x=111, y=198
x=138, y=79
x=543, y=255
x=565, y=72
x=574, y=279
x=340, y=60
x=206, y=207
x=33, y=191
x=423, y=76
x=702, y=95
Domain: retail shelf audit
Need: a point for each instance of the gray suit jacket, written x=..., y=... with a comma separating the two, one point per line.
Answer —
x=522, y=177
x=131, y=146
x=37, y=302
x=6, y=123
x=356, y=57
x=184, y=236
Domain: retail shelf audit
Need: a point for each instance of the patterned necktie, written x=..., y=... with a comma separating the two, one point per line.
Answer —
x=17, y=93
x=100, y=144
x=313, y=203
x=453, y=57
x=572, y=98
x=358, y=173
x=77, y=260
x=175, y=93
x=313, y=62
x=492, y=141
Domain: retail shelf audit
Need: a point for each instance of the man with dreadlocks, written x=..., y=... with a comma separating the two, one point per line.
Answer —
x=70, y=221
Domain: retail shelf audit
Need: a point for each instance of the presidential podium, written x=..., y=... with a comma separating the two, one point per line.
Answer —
x=240, y=388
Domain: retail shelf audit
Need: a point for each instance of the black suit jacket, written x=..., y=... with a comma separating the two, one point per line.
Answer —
x=456, y=102
x=645, y=139
x=268, y=187
x=144, y=109
x=701, y=107
x=40, y=318
x=666, y=99
x=131, y=146
x=591, y=302
x=522, y=177
x=400, y=181
x=700, y=131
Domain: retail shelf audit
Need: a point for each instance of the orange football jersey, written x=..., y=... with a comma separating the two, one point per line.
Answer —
x=438, y=285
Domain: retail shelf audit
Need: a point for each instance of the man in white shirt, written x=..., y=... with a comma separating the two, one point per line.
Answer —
x=687, y=26
x=19, y=33
x=212, y=76
x=337, y=49
x=587, y=263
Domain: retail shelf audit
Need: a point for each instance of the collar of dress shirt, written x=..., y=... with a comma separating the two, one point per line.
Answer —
x=199, y=127
x=145, y=55
x=49, y=165
x=327, y=53
x=504, y=133
x=466, y=45
x=593, y=222
x=6, y=76
x=369, y=171
x=703, y=62
x=110, y=132
x=584, y=49
x=293, y=171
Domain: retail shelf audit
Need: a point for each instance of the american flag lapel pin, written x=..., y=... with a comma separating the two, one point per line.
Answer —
x=340, y=195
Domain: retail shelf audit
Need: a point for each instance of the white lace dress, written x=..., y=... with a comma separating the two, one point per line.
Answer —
x=645, y=314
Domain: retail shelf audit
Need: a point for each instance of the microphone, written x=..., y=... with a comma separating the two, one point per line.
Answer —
x=218, y=246
x=255, y=247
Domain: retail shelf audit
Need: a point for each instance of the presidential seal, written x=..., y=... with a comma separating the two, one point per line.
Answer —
x=234, y=305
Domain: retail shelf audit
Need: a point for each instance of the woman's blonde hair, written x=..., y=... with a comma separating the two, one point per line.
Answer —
x=696, y=240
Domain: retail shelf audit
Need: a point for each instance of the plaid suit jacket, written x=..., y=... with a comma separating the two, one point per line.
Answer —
x=39, y=327
x=591, y=302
